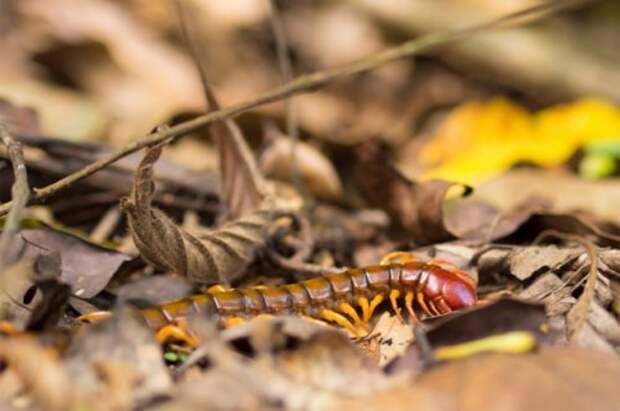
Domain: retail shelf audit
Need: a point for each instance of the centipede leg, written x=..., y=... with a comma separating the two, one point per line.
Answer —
x=8, y=328
x=423, y=304
x=229, y=322
x=365, y=305
x=94, y=316
x=394, y=294
x=350, y=311
x=409, y=306
x=434, y=309
x=443, y=307
x=174, y=332
x=217, y=288
x=378, y=299
x=399, y=257
x=341, y=320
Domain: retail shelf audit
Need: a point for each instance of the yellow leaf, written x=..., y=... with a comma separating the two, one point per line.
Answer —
x=479, y=140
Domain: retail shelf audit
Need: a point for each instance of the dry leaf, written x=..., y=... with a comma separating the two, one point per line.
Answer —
x=417, y=207
x=316, y=170
x=125, y=341
x=86, y=267
x=137, y=77
x=565, y=379
x=563, y=193
x=39, y=371
x=389, y=339
x=220, y=255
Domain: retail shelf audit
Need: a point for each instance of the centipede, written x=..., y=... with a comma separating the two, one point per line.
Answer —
x=347, y=299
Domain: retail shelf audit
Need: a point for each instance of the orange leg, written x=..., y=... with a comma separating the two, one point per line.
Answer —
x=349, y=310
x=422, y=303
x=409, y=306
x=229, y=322
x=341, y=320
x=8, y=328
x=398, y=257
x=176, y=332
x=394, y=294
x=95, y=316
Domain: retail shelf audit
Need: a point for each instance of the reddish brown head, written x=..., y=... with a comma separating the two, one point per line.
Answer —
x=445, y=282
x=458, y=293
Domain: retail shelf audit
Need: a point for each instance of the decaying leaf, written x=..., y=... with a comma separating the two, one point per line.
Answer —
x=417, y=207
x=219, y=255
x=563, y=379
x=296, y=364
x=39, y=371
x=32, y=296
x=525, y=262
x=86, y=267
x=500, y=317
x=316, y=170
x=562, y=193
x=388, y=340
x=121, y=342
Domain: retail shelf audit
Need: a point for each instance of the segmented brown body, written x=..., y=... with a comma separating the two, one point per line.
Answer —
x=435, y=288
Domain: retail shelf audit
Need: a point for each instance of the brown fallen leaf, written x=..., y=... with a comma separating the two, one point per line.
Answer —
x=416, y=207
x=219, y=255
x=566, y=379
x=85, y=266
x=123, y=342
x=388, y=340
x=32, y=296
x=316, y=170
x=39, y=372
x=528, y=261
x=564, y=193
x=495, y=318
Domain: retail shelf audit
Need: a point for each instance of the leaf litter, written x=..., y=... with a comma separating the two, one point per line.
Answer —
x=74, y=298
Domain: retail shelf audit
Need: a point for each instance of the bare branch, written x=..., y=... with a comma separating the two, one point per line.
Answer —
x=284, y=62
x=243, y=186
x=304, y=84
x=20, y=191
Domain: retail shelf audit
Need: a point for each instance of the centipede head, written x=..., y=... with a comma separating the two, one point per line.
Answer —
x=452, y=287
x=458, y=294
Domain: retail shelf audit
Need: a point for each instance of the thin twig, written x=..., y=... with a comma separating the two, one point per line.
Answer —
x=229, y=137
x=303, y=84
x=286, y=70
x=20, y=191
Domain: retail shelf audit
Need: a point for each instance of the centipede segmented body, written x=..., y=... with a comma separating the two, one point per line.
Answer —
x=435, y=287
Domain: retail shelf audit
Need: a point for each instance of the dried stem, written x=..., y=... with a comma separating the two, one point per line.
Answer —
x=286, y=70
x=301, y=84
x=20, y=191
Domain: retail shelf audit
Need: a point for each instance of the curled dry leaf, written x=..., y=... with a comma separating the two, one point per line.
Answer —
x=219, y=255
x=316, y=170
x=416, y=207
